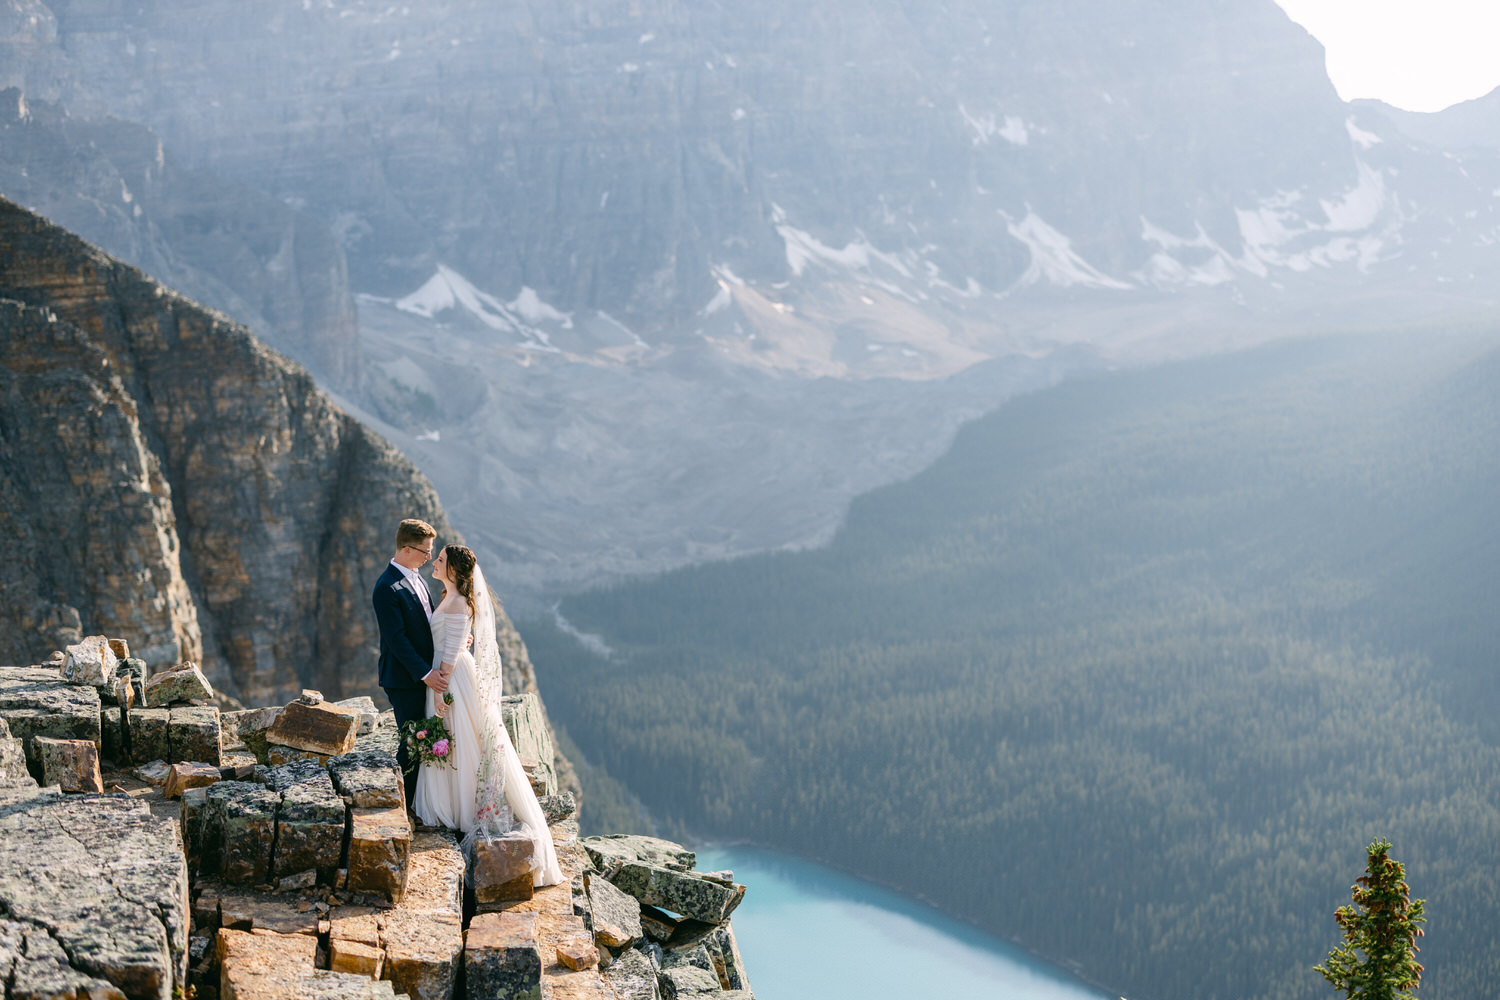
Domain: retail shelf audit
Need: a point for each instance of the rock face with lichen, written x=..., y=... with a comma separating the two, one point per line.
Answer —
x=165, y=476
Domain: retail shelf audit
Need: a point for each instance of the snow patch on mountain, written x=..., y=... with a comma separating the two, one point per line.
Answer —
x=1360, y=207
x=448, y=290
x=1053, y=258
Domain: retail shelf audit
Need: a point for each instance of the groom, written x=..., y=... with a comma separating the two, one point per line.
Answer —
x=403, y=607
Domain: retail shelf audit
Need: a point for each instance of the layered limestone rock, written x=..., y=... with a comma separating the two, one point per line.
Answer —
x=172, y=480
x=104, y=880
x=275, y=269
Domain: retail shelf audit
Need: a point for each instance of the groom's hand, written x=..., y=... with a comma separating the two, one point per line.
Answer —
x=436, y=681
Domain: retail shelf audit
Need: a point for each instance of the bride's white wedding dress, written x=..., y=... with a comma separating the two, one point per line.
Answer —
x=485, y=774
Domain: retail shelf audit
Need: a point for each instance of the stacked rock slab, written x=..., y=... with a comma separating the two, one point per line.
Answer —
x=691, y=949
x=103, y=879
x=176, y=722
x=72, y=765
x=36, y=701
x=309, y=822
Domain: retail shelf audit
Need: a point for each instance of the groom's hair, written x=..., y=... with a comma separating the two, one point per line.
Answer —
x=412, y=532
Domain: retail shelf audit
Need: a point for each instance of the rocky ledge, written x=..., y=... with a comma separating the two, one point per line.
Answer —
x=286, y=865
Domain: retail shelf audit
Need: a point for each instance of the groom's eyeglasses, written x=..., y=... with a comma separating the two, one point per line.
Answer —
x=426, y=553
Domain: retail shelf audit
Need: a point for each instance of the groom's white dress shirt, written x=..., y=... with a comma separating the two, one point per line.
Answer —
x=420, y=586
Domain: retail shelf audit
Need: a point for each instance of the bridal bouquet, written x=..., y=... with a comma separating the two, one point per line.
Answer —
x=427, y=741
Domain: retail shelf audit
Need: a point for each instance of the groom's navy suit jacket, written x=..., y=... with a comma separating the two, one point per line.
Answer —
x=405, y=636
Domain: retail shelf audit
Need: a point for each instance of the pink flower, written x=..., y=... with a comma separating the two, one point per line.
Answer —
x=440, y=748
x=422, y=734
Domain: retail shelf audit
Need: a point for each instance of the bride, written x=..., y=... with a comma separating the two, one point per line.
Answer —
x=483, y=786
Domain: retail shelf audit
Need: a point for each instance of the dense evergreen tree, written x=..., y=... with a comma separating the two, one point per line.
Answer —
x=1378, y=958
x=1112, y=676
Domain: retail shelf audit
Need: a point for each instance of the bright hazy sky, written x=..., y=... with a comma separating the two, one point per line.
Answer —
x=1421, y=55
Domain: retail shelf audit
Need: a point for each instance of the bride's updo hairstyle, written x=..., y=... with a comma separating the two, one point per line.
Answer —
x=461, y=563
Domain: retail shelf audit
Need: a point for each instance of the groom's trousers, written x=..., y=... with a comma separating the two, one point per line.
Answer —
x=409, y=704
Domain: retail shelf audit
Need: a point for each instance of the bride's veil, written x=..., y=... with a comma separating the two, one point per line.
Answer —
x=493, y=814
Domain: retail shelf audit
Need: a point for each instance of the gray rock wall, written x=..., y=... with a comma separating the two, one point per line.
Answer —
x=175, y=482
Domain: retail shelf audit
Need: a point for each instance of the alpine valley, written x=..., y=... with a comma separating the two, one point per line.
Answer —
x=640, y=283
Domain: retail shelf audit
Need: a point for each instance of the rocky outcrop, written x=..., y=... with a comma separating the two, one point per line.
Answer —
x=94, y=889
x=308, y=879
x=165, y=476
x=232, y=247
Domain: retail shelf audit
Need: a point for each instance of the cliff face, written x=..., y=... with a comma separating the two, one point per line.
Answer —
x=236, y=249
x=168, y=477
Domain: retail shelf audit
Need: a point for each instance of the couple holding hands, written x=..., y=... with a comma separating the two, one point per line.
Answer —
x=425, y=655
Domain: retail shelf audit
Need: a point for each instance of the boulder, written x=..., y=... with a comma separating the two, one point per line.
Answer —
x=320, y=729
x=502, y=957
x=576, y=949
x=355, y=923
x=495, y=863
x=379, y=849
x=681, y=892
x=309, y=828
x=633, y=977
x=181, y=777
x=182, y=684
x=364, y=707
x=105, y=880
x=150, y=737
x=609, y=852
x=72, y=765
x=91, y=662
x=239, y=827
x=616, y=916
x=355, y=957
x=688, y=981
x=193, y=734
x=120, y=648
x=36, y=701
x=249, y=728
x=155, y=772
x=371, y=779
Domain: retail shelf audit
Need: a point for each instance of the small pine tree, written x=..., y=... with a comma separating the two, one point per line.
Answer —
x=1384, y=924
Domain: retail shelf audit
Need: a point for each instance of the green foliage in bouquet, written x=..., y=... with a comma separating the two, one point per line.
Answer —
x=427, y=741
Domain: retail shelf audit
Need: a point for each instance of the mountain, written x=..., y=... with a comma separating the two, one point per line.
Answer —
x=166, y=477
x=870, y=223
x=1131, y=675
x=1467, y=125
x=237, y=250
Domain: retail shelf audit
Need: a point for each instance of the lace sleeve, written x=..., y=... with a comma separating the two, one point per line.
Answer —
x=453, y=641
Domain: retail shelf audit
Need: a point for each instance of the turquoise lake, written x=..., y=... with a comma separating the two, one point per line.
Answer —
x=808, y=932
